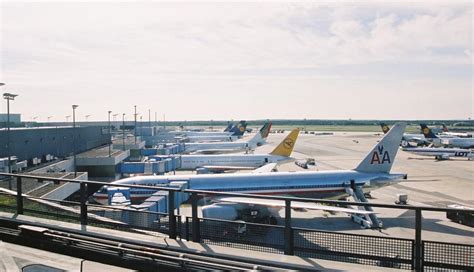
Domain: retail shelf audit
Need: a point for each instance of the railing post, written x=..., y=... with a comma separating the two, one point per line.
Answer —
x=289, y=249
x=194, y=214
x=171, y=216
x=19, y=196
x=83, y=203
x=418, y=245
x=186, y=227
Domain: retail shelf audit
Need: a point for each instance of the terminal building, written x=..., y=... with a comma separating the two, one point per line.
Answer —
x=30, y=143
x=15, y=119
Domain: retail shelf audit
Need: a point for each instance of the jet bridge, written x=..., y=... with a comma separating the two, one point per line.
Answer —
x=159, y=167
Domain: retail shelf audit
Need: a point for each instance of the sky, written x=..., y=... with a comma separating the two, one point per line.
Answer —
x=241, y=60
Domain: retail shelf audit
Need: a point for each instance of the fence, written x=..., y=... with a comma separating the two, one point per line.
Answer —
x=279, y=239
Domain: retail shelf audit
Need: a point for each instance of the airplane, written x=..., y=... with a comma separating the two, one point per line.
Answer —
x=227, y=147
x=408, y=138
x=441, y=153
x=448, y=133
x=372, y=172
x=227, y=136
x=205, y=139
x=450, y=142
x=233, y=161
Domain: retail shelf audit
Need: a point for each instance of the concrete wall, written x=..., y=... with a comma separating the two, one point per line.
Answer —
x=67, y=165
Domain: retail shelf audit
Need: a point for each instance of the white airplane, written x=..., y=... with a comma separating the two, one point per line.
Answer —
x=207, y=138
x=235, y=130
x=441, y=153
x=449, y=142
x=372, y=172
x=448, y=133
x=408, y=138
x=222, y=162
x=225, y=147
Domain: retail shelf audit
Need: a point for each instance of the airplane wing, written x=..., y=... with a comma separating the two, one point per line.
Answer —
x=269, y=167
x=294, y=205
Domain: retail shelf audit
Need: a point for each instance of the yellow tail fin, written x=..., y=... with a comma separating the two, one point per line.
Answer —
x=286, y=146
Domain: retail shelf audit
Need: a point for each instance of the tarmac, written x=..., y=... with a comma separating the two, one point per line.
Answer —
x=430, y=183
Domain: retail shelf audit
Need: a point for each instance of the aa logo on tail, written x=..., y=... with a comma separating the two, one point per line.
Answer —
x=426, y=131
x=380, y=156
x=385, y=129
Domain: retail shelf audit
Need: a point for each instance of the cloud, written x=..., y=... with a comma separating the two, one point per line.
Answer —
x=111, y=49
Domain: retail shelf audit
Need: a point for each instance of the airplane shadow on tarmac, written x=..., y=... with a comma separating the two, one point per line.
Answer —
x=405, y=220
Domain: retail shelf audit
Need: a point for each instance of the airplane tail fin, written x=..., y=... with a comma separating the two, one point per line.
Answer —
x=286, y=146
x=385, y=128
x=229, y=126
x=381, y=157
x=265, y=130
x=239, y=129
x=427, y=132
x=445, y=128
x=260, y=136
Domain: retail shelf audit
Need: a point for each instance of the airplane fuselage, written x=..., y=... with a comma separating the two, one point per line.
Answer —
x=211, y=138
x=191, y=162
x=193, y=147
x=314, y=183
x=459, y=142
x=441, y=153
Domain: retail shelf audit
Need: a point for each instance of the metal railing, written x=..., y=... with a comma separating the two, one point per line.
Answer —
x=390, y=252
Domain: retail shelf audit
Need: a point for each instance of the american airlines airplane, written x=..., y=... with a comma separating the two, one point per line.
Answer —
x=372, y=172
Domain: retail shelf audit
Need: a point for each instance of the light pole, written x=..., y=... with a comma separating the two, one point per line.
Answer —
x=87, y=117
x=141, y=123
x=67, y=118
x=49, y=117
x=8, y=97
x=135, y=128
x=110, y=133
x=149, y=118
x=74, y=107
x=123, y=131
